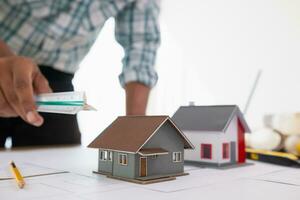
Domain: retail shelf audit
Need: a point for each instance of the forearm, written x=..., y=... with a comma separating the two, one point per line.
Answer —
x=136, y=98
x=5, y=50
x=137, y=30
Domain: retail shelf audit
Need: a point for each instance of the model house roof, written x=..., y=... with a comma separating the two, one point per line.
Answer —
x=131, y=133
x=207, y=118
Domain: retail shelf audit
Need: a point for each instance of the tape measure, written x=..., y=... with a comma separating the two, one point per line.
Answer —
x=62, y=102
x=274, y=157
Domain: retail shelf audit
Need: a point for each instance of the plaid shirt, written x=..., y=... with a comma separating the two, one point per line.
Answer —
x=59, y=33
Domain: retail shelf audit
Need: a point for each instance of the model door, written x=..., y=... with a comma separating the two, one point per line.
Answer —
x=232, y=152
x=143, y=166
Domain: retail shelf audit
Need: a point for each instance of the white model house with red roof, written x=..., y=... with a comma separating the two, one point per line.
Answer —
x=217, y=133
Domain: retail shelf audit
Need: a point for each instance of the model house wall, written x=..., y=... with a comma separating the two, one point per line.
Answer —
x=202, y=138
x=104, y=165
x=127, y=170
x=166, y=138
x=216, y=139
x=231, y=134
x=113, y=166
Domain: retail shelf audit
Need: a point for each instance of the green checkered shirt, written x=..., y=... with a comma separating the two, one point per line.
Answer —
x=59, y=33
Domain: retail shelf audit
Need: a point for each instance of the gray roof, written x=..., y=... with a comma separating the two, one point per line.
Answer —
x=207, y=118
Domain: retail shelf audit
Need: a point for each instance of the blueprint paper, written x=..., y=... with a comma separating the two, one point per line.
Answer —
x=26, y=169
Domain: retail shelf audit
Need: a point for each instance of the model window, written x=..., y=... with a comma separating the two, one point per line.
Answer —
x=206, y=151
x=225, y=150
x=123, y=159
x=177, y=157
x=103, y=155
x=110, y=155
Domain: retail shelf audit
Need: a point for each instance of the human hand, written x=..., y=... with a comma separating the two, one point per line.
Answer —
x=20, y=79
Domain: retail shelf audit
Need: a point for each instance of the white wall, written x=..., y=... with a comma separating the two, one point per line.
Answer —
x=216, y=139
x=210, y=53
x=231, y=135
x=98, y=76
x=203, y=138
x=215, y=48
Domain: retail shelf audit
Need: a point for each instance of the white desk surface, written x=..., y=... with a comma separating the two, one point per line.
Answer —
x=258, y=181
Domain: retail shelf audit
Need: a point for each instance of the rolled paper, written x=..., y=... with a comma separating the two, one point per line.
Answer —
x=292, y=145
x=286, y=123
x=265, y=139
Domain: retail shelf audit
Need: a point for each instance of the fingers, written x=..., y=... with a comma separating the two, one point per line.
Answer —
x=16, y=84
x=22, y=82
x=41, y=84
x=10, y=96
x=5, y=109
x=23, y=88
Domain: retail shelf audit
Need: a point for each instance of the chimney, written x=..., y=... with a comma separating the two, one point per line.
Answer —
x=191, y=103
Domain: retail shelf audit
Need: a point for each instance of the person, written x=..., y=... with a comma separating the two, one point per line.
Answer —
x=41, y=45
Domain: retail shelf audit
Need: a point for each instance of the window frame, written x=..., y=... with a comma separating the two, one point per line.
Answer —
x=103, y=155
x=203, y=145
x=175, y=158
x=123, y=159
x=225, y=150
x=110, y=156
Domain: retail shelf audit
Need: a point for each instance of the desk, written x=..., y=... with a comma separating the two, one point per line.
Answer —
x=257, y=181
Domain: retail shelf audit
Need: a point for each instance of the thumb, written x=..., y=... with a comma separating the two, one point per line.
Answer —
x=41, y=84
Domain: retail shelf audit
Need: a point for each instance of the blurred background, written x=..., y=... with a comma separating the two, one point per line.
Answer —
x=211, y=52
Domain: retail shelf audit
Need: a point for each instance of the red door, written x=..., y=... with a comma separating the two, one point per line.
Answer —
x=241, y=143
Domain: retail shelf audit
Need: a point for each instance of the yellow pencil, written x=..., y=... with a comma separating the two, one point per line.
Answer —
x=17, y=175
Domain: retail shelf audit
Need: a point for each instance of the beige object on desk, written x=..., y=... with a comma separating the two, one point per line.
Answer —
x=286, y=123
x=292, y=144
x=265, y=138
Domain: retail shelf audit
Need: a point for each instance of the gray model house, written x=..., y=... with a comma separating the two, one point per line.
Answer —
x=217, y=132
x=141, y=148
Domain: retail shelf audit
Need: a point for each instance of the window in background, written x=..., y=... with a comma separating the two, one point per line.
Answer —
x=225, y=148
x=123, y=159
x=206, y=151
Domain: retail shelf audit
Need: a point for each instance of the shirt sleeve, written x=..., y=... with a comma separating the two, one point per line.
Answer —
x=137, y=30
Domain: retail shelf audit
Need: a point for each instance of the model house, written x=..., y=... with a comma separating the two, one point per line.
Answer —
x=217, y=132
x=141, y=148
